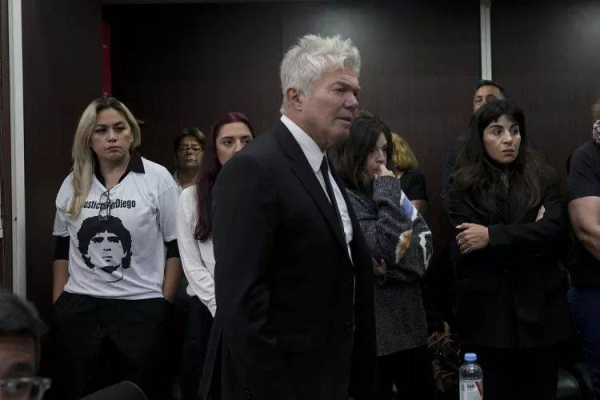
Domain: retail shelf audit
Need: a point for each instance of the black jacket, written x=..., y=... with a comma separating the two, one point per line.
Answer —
x=293, y=312
x=512, y=293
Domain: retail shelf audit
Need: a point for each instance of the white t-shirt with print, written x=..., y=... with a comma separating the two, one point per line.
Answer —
x=118, y=252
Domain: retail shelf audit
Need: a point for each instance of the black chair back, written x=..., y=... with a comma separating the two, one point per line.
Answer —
x=121, y=391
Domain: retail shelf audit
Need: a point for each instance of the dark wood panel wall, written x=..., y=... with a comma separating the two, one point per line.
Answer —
x=183, y=65
x=546, y=54
x=62, y=72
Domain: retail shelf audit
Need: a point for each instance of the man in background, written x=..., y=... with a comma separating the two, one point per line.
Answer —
x=20, y=332
x=486, y=91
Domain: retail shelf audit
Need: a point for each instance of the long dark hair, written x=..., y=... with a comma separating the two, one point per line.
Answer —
x=484, y=182
x=209, y=169
x=349, y=157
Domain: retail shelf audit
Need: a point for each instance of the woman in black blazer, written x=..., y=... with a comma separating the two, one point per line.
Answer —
x=511, y=290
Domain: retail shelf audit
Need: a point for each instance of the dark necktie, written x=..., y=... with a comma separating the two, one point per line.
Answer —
x=325, y=172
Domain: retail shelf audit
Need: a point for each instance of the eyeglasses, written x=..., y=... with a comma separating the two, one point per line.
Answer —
x=193, y=149
x=105, y=207
x=30, y=388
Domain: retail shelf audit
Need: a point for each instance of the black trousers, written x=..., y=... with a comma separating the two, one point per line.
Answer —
x=518, y=374
x=195, y=345
x=100, y=342
x=181, y=314
x=411, y=372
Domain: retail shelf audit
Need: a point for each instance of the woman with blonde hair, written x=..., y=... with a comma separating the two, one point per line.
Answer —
x=115, y=227
x=404, y=163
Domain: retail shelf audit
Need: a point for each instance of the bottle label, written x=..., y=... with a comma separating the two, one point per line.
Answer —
x=471, y=389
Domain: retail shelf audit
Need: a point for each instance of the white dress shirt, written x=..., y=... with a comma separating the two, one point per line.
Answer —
x=197, y=258
x=314, y=155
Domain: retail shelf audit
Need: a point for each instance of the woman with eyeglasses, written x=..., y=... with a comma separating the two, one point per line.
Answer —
x=230, y=133
x=511, y=290
x=188, y=147
x=115, y=227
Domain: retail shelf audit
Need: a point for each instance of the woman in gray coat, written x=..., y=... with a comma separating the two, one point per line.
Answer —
x=401, y=246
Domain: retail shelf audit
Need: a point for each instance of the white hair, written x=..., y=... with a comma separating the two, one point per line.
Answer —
x=307, y=61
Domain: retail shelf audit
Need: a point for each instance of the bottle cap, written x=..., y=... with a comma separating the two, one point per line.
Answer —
x=470, y=357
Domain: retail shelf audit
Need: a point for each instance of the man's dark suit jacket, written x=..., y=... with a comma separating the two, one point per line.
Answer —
x=294, y=313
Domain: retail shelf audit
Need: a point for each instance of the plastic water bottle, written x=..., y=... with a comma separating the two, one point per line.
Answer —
x=471, y=379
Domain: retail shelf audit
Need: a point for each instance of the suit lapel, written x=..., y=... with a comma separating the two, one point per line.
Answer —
x=301, y=168
x=356, y=229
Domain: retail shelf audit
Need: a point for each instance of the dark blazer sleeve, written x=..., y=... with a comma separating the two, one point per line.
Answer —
x=244, y=226
x=394, y=231
x=525, y=239
x=533, y=237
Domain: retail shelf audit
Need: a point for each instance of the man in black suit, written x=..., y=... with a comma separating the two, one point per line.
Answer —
x=20, y=333
x=293, y=275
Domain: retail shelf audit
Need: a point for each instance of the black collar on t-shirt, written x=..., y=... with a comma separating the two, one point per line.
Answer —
x=135, y=165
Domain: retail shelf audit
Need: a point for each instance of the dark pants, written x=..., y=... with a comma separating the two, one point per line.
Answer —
x=100, y=342
x=518, y=374
x=195, y=345
x=181, y=315
x=411, y=372
x=585, y=306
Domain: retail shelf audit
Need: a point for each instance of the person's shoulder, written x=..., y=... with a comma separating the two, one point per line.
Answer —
x=584, y=158
x=188, y=200
x=151, y=166
x=263, y=151
x=188, y=195
x=263, y=145
x=157, y=177
x=67, y=181
x=252, y=159
x=64, y=195
x=66, y=187
x=589, y=149
x=154, y=172
x=412, y=176
x=589, y=146
x=259, y=147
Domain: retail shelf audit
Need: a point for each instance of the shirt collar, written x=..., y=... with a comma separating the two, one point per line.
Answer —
x=135, y=165
x=311, y=150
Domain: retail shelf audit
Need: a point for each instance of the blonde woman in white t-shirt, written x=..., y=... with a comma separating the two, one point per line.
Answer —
x=112, y=287
x=230, y=133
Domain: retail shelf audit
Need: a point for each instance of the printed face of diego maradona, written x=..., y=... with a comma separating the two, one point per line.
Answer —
x=106, y=251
